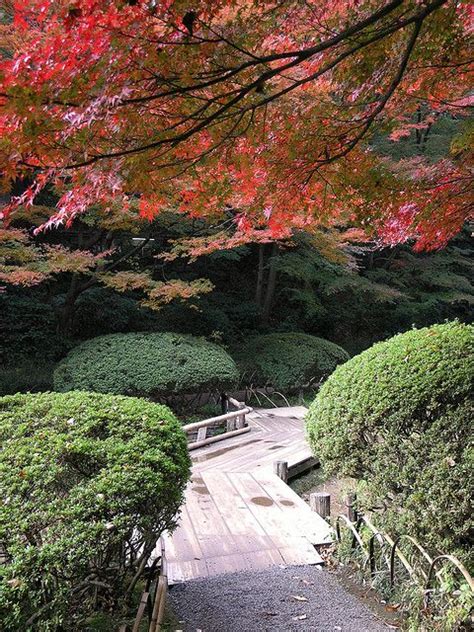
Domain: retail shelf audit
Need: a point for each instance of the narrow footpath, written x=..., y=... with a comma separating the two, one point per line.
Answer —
x=244, y=557
x=277, y=599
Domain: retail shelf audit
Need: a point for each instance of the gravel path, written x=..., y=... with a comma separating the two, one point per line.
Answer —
x=278, y=599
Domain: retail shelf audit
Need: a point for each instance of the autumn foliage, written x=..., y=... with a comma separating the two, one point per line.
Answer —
x=263, y=111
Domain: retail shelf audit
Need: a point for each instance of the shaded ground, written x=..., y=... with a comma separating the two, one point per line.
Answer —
x=315, y=481
x=278, y=599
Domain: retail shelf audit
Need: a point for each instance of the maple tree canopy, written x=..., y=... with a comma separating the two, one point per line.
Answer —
x=262, y=111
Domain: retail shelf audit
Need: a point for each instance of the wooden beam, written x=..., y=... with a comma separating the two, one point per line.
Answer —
x=303, y=466
x=215, y=420
x=227, y=435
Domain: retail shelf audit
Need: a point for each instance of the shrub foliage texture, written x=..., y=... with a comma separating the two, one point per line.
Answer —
x=88, y=483
x=150, y=364
x=288, y=361
x=399, y=417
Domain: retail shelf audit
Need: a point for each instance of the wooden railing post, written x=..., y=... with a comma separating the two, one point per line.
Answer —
x=281, y=470
x=351, y=500
x=240, y=421
x=202, y=434
x=321, y=504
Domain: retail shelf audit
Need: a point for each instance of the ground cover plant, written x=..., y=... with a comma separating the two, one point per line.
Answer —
x=158, y=365
x=288, y=362
x=88, y=483
x=399, y=418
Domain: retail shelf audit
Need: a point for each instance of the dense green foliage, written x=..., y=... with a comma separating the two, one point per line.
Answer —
x=86, y=480
x=158, y=365
x=376, y=294
x=399, y=416
x=352, y=297
x=101, y=311
x=28, y=376
x=30, y=345
x=288, y=361
x=28, y=328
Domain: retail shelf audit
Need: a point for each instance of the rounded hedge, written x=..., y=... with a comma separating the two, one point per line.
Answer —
x=156, y=365
x=399, y=417
x=288, y=361
x=88, y=483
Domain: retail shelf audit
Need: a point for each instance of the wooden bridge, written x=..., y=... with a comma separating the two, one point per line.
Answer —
x=238, y=514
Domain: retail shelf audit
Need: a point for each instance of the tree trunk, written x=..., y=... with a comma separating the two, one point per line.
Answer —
x=66, y=314
x=259, y=288
x=271, y=285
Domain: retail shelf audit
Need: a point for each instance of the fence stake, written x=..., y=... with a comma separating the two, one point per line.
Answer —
x=351, y=500
x=281, y=470
x=321, y=504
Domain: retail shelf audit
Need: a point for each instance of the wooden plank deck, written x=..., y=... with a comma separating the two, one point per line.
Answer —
x=238, y=515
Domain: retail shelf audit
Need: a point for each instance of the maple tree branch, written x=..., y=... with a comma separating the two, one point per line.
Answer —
x=297, y=56
x=383, y=102
x=229, y=104
x=95, y=278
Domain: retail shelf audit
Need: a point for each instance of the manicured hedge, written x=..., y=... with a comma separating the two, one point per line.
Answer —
x=157, y=365
x=400, y=417
x=288, y=361
x=86, y=480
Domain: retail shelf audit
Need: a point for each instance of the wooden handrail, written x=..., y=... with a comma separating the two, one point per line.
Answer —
x=216, y=420
x=235, y=420
x=155, y=601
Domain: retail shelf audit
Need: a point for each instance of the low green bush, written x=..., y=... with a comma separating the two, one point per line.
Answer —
x=399, y=417
x=288, y=361
x=158, y=365
x=88, y=483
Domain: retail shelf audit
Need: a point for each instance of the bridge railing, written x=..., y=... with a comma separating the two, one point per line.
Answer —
x=151, y=609
x=215, y=429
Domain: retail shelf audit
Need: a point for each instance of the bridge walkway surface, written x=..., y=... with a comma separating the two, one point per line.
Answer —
x=238, y=515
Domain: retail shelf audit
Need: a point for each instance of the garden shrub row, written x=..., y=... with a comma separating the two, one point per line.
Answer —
x=399, y=417
x=164, y=365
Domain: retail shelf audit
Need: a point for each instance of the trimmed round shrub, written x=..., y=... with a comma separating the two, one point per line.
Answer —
x=158, y=365
x=288, y=361
x=399, y=417
x=88, y=482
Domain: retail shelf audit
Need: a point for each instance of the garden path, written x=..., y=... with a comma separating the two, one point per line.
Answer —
x=238, y=515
